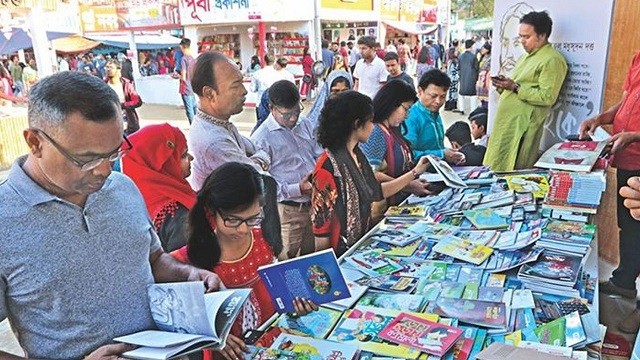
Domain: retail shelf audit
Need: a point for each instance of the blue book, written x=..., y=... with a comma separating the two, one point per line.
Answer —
x=316, y=277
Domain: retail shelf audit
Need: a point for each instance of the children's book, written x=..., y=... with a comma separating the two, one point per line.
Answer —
x=529, y=183
x=452, y=289
x=569, y=230
x=450, y=177
x=552, y=333
x=316, y=277
x=483, y=313
x=395, y=301
x=316, y=324
x=429, y=289
x=486, y=219
x=406, y=211
x=430, y=337
x=188, y=320
x=462, y=348
x=572, y=156
x=361, y=327
x=574, y=332
x=553, y=268
x=373, y=263
x=273, y=354
x=315, y=349
x=464, y=250
x=489, y=293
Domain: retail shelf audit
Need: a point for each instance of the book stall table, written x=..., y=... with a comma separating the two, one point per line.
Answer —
x=504, y=258
x=13, y=121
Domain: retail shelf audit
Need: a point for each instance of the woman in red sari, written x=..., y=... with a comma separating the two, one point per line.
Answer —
x=158, y=164
x=225, y=237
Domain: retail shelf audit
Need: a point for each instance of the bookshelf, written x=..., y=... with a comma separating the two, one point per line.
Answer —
x=228, y=44
x=286, y=44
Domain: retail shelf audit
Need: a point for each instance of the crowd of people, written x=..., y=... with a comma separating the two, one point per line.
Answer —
x=82, y=242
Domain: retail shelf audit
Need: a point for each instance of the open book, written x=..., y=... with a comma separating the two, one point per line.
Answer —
x=450, y=178
x=572, y=155
x=188, y=320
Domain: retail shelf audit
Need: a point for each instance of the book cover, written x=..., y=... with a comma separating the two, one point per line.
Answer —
x=462, y=348
x=450, y=178
x=483, y=313
x=553, y=267
x=398, y=237
x=430, y=337
x=452, y=289
x=536, y=184
x=574, y=332
x=395, y=301
x=571, y=156
x=429, y=289
x=373, y=263
x=464, y=250
x=390, y=283
x=552, y=333
x=316, y=277
x=360, y=327
x=315, y=349
x=569, y=230
x=406, y=211
x=486, y=219
x=490, y=293
x=316, y=324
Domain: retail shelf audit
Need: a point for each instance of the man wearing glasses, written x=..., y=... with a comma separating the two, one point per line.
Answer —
x=289, y=141
x=78, y=249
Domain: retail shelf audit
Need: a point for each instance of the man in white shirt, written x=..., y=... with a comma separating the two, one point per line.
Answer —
x=272, y=72
x=370, y=72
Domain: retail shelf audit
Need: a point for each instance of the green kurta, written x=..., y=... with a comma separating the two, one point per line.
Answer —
x=515, y=138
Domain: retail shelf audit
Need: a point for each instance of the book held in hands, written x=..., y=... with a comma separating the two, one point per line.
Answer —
x=188, y=320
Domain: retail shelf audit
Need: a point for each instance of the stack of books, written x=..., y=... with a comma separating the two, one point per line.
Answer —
x=575, y=192
x=571, y=237
x=553, y=273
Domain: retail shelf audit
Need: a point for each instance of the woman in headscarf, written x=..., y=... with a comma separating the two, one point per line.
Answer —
x=336, y=82
x=158, y=164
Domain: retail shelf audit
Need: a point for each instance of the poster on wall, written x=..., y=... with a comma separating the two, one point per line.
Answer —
x=147, y=14
x=98, y=15
x=581, y=35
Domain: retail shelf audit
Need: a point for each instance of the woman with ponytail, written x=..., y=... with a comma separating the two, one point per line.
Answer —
x=225, y=236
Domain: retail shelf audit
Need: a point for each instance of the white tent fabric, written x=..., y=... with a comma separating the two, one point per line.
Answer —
x=412, y=27
x=143, y=42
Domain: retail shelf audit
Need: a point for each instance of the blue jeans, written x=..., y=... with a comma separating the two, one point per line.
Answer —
x=189, y=101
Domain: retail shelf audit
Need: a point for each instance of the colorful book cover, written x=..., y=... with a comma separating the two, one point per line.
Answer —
x=452, y=272
x=462, y=348
x=361, y=326
x=315, y=349
x=395, y=301
x=552, y=333
x=390, y=283
x=574, y=332
x=316, y=324
x=529, y=183
x=452, y=289
x=553, y=267
x=398, y=237
x=416, y=269
x=406, y=211
x=490, y=293
x=571, y=156
x=316, y=277
x=471, y=291
x=429, y=289
x=464, y=250
x=403, y=251
x=483, y=313
x=450, y=178
x=469, y=274
x=569, y=230
x=486, y=219
x=430, y=337
x=513, y=338
x=373, y=263
x=273, y=354
x=478, y=343
x=496, y=280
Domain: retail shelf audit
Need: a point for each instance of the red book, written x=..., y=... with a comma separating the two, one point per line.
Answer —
x=428, y=336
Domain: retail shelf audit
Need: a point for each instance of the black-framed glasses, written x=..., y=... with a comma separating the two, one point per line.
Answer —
x=406, y=108
x=286, y=116
x=234, y=221
x=92, y=164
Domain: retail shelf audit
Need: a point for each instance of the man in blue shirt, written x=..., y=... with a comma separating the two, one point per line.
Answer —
x=327, y=57
x=425, y=130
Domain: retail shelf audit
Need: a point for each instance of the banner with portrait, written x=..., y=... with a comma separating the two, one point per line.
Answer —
x=581, y=34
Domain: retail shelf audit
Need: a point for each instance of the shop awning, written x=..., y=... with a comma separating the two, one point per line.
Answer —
x=18, y=39
x=479, y=24
x=143, y=42
x=74, y=44
x=412, y=27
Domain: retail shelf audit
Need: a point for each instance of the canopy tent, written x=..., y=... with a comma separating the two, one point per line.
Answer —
x=18, y=39
x=143, y=42
x=413, y=28
x=74, y=44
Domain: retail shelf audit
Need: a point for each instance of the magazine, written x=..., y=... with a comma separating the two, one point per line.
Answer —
x=483, y=313
x=450, y=178
x=572, y=156
x=428, y=336
x=553, y=268
x=529, y=183
x=464, y=250
x=188, y=320
x=316, y=277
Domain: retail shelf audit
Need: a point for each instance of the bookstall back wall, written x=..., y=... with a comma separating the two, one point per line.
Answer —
x=624, y=43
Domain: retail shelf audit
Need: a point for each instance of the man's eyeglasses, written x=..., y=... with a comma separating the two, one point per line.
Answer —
x=234, y=222
x=437, y=96
x=286, y=116
x=92, y=164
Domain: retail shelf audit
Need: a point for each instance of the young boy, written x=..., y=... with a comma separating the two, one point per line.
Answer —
x=459, y=136
x=478, y=121
x=392, y=63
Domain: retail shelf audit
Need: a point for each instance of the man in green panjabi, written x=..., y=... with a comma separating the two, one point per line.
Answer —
x=526, y=100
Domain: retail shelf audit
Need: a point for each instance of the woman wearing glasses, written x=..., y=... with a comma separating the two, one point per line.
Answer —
x=225, y=236
x=159, y=164
x=344, y=186
x=387, y=150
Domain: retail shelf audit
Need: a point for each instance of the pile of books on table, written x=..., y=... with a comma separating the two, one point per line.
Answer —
x=575, y=192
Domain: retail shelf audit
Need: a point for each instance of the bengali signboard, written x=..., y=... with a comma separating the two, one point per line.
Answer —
x=199, y=12
x=147, y=14
x=583, y=43
x=98, y=15
x=390, y=10
x=28, y=4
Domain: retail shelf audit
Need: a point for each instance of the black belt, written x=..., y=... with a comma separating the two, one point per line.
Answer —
x=295, y=203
